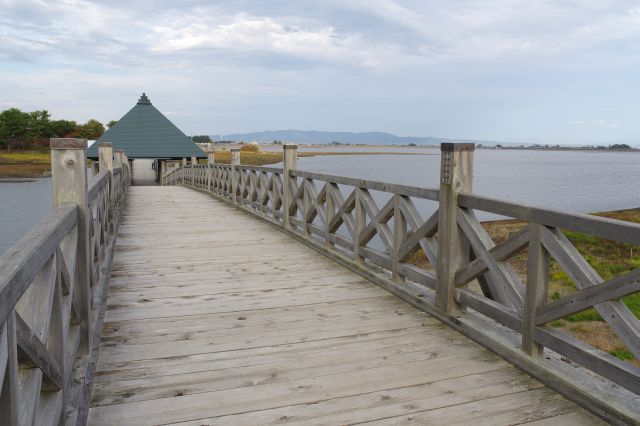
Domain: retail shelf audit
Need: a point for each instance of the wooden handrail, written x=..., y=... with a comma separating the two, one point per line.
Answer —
x=48, y=282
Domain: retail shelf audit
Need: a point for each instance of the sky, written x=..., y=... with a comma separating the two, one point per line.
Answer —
x=526, y=71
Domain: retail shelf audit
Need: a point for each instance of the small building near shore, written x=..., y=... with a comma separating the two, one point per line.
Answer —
x=150, y=140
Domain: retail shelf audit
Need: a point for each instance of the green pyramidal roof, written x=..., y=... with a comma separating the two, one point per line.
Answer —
x=144, y=132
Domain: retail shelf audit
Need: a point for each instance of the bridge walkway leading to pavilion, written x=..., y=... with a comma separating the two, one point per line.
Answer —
x=216, y=318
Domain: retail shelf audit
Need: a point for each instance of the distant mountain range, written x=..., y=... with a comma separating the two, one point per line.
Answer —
x=321, y=137
x=383, y=138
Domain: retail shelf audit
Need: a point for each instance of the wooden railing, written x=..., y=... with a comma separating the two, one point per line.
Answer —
x=53, y=288
x=469, y=283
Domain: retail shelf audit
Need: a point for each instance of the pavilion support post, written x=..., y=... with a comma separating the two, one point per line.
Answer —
x=183, y=170
x=289, y=162
x=69, y=182
x=211, y=159
x=456, y=176
x=235, y=161
x=105, y=151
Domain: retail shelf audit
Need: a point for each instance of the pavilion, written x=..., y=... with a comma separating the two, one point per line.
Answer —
x=150, y=140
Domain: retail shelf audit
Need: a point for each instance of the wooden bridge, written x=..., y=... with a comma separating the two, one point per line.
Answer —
x=240, y=295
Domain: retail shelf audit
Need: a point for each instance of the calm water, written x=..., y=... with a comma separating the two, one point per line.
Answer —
x=573, y=181
x=22, y=205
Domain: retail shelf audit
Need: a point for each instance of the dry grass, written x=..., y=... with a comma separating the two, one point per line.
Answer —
x=25, y=163
x=263, y=158
x=608, y=258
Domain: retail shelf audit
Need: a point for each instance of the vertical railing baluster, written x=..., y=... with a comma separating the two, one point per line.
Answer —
x=289, y=162
x=235, y=161
x=399, y=237
x=360, y=217
x=211, y=159
x=307, y=205
x=329, y=212
x=536, y=289
x=105, y=151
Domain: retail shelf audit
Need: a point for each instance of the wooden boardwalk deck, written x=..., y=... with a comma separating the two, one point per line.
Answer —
x=215, y=318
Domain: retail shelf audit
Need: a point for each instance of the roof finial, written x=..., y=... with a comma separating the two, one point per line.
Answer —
x=144, y=100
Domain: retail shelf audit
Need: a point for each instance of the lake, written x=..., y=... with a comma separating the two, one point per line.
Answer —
x=565, y=180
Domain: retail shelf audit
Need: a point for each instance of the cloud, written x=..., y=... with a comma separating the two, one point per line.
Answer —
x=595, y=123
x=250, y=34
x=485, y=68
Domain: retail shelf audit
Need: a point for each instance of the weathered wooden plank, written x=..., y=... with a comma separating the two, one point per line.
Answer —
x=362, y=408
x=611, y=229
x=36, y=354
x=583, y=299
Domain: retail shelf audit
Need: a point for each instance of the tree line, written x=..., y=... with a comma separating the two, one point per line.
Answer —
x=28, y=130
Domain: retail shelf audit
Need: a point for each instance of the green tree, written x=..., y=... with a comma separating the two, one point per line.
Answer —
x=62, y=128
x=13, y=127
x=619, y=146
x=112, y=123
x=201, y=139
x=92, y=129
x=39, y=125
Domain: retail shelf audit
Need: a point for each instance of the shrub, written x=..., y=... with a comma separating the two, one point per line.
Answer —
x=250, y=148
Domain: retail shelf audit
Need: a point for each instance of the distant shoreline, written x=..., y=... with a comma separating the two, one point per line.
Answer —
x=37, y=164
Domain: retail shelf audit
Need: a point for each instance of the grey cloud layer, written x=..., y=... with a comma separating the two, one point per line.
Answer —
x=479, y=60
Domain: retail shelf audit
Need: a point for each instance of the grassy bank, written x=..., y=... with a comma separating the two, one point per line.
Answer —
x=264, y=158
x=25, y=164
x=608, y=258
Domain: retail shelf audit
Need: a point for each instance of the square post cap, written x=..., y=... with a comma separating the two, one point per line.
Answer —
x=235, y=149
x=106, y=144
x=456, y=147
x=68, y=143
x=290, y=146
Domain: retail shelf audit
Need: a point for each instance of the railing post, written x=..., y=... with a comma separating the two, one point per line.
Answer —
x=289, y=162
x=183, y=171
x=105, y=151
x=69, y=182
x=211, y=159
x=456, y=176
x=235, y=161
x=536, y=289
